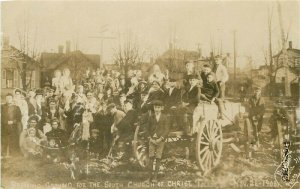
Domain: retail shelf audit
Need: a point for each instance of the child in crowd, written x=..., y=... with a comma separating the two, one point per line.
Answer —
x=157, y=129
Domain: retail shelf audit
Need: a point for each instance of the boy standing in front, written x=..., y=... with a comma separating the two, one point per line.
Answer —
x=157, y=131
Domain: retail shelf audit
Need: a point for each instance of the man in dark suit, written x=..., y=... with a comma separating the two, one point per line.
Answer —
x=172, y=95
x=256, y=111
x=210, y=93
x=191, y=98
x=190, y=101
x=172, y=102
x=157, y=130
x=10, y=127
x=126, y=128
x=205, y=71
x=154, y=93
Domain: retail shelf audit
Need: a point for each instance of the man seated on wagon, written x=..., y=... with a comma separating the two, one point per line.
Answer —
x=172, y=101
x=210, y=93
x=190, y=101
x=154, y=93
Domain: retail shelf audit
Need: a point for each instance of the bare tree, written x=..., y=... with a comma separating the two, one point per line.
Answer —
x=26, y=54
x=128, y=54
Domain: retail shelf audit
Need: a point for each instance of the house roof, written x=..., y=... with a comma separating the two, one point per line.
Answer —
x=180, y=54
x=294, y=51
x=21, y=56
x=53, y=60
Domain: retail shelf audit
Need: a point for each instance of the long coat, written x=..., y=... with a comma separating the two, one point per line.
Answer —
x=172, y=99
x=159, y=128
x=126, y=125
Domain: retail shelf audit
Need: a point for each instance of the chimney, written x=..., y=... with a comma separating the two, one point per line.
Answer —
x=5, y=42
x=60, y=49
x=290, y=45
x=68, y=47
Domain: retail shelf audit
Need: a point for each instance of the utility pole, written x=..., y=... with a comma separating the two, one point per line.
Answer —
x=284, y=53
x=102, y=38
x=270, y=13
x=234, y=55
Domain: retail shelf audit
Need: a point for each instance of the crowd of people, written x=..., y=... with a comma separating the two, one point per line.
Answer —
x=104, y=108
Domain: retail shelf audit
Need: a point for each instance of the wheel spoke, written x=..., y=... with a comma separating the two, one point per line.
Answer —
x=205, y=161
x=207, y=131
x=217, y=138
x=215, y=153
x=203, y=150
x=205, y=136
x=206, y=143
x=212, y=129
x=209, y=161
x=216, y=129
x=212, y=157
x=204, y=156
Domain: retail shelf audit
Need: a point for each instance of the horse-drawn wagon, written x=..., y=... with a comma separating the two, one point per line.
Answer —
x=207, y=131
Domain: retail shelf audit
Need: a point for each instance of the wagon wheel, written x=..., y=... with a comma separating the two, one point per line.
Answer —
x=209, y=145
x=140, y=148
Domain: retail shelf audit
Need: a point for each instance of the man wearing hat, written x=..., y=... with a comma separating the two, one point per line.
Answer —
x=157, y=130
x=172, y=95
x=95, y=142
x=221, y=75
x=190, y=101
x=10, y=127
x=117, y=114
x=154, y=93
x=190, y=71
x=256, y=111
x=126, y=127
x=19, y=100
x=59, y=135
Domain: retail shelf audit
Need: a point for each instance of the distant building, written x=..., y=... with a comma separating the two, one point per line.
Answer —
x=12, y=63
x=293, y=56
x=174, y=61
x=76, y=61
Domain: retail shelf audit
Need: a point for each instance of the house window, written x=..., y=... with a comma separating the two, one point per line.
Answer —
x=9, y=78
x=30, y=79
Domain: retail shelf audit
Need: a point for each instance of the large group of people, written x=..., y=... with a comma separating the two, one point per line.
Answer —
x=104, y=108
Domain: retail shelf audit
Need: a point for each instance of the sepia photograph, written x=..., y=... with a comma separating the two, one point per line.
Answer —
x=150, y=94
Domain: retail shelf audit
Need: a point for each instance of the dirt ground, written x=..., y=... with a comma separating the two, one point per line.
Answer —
x=235, y=170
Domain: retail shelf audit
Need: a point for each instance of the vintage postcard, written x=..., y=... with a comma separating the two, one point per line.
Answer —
x=150, y=94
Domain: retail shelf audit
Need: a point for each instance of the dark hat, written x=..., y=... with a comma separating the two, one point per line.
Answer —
x=95, y=130
x=190, y=62
x=128, y=101
x=33, y=117
x=18, y=90
x=111, y=106
x=257, y=88
x=52, y=100
x=54, y=120
x=218, y=56
x=51, y=89
x=155, y=82
x=122, y=94
x=39, y=92
x=157, y=103
x=172, y=80
x=143, y=81
x=192, y=76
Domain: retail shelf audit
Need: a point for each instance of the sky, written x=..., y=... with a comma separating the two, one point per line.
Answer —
x=152, y=24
